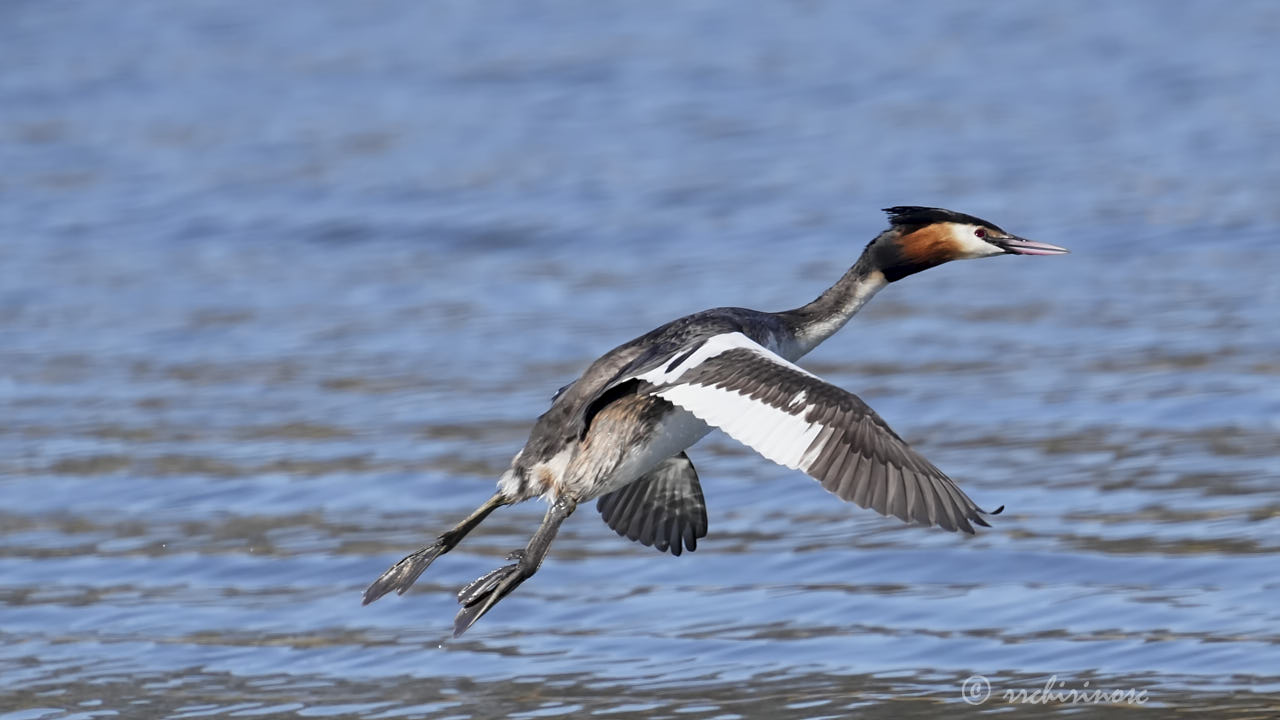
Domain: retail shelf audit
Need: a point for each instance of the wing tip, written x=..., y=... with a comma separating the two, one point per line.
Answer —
x=977, y=519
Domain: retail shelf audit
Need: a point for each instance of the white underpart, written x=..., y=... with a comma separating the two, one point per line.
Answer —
x=675, y=433
x=783, y=436
x=509, y=483
x=969, y=245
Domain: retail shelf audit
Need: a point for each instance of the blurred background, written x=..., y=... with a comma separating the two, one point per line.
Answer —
x=283, y=286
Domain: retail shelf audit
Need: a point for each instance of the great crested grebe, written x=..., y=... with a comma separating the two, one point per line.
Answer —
x=618, y=433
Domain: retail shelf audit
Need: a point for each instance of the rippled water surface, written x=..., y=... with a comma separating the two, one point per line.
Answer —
x=283, y=286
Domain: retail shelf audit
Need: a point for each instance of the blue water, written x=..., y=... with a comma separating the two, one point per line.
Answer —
x=283, y=286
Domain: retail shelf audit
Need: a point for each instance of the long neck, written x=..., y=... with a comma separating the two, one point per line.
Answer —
x=821, y=318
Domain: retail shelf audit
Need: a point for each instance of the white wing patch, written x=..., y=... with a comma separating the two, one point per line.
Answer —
x=783, y=436
x=776, y=434
x=667, y=373
x=711, y=347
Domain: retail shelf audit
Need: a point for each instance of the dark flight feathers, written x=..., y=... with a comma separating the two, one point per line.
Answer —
x=663, y=509
x=854, y=453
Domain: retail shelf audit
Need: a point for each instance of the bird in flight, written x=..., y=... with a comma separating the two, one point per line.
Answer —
x=618, y=433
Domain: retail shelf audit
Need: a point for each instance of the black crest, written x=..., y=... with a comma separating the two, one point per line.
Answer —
x=913, y=216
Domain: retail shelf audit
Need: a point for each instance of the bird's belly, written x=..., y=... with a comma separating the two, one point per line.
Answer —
x=628, y=439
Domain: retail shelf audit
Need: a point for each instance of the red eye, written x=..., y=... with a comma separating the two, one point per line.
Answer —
x=980, y=232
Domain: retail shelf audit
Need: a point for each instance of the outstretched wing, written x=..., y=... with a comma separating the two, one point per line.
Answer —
x=663, y=508
x=796, y=419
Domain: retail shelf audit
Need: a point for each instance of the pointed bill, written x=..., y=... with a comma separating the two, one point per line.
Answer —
x=1015, y=245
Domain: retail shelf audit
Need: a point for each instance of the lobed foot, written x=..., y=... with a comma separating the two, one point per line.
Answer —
x=481, y=594
x=406, y=572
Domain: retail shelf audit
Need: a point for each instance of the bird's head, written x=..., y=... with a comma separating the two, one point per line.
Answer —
x=919, y=238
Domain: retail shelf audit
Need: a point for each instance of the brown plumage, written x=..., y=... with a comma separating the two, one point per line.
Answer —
x=929, y=246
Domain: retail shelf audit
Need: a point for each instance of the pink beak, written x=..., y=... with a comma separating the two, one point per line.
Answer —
x=1015, y=245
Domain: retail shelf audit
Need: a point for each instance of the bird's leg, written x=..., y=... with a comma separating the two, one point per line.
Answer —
x=482, y=594
x=406, y=572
